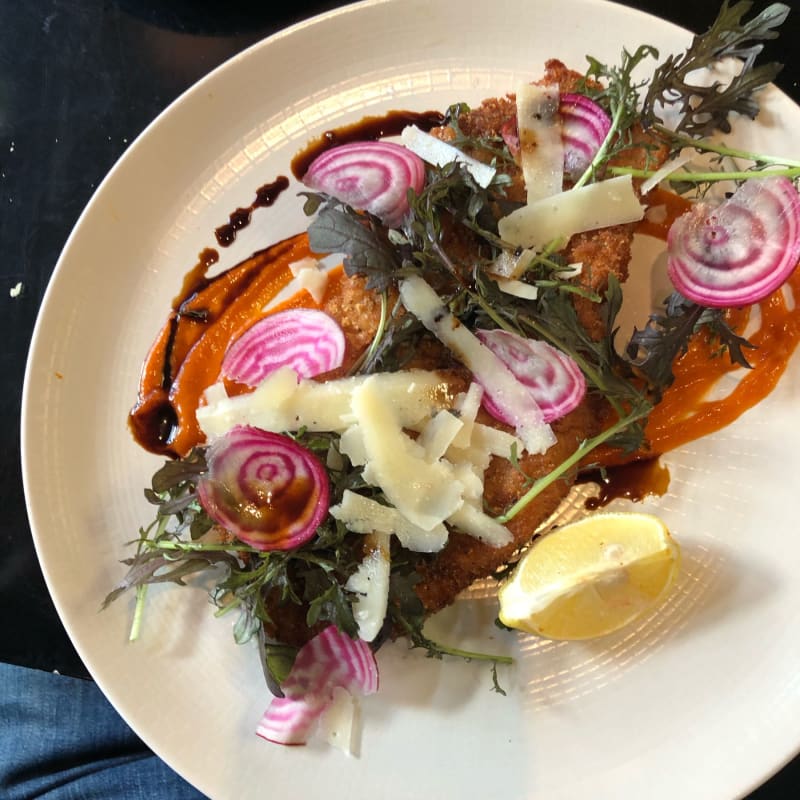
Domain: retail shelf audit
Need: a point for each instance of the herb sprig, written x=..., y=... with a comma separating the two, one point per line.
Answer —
x=704, y=109
x=653, y=350
x=761, y=165
x=620, y=94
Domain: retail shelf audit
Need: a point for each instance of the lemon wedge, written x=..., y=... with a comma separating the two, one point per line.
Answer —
x=591, y=577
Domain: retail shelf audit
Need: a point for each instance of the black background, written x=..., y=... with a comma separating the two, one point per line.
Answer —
x=77, y=85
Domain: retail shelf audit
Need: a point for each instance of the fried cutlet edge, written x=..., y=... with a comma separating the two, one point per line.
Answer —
x=464, y=559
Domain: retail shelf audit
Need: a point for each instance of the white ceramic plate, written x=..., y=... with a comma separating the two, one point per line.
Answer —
x=701, y=701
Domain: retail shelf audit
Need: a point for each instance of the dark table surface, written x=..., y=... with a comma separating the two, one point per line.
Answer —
x=77, y=84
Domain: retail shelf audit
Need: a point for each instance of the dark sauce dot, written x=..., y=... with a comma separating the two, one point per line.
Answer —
x=225, y=235
x=633, y=481
x=240, y=218
x=267, y=194
x=196, y=276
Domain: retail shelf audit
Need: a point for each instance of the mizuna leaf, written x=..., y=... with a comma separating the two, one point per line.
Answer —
x=705, y=109
x=367, y=251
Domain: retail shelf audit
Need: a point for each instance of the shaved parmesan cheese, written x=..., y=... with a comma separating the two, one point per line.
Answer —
x=467, y=405
x=296, y=267
x=284, y=403
x=215, y=393
x=477, y=458
x=507, y=392
x=512, y=264
x=472, y=520
x=351, y=444
x=471, y=478
x=314, y=281
x=673, y=165
x=494, y=441
x=540, y=143
x=425, y=493
x=440, y=153
x=340, y=722
x=363, y=515
x=309, y=274
x=438, y=434
x=370, y=582
x=598, y=205
x=570, y=271
x=517, y=288
x=265, y=408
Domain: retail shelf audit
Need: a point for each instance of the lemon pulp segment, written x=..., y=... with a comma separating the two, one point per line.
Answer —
x=591, y=577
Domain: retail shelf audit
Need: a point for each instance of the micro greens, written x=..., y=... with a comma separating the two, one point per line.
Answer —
x=246, y=580
x=258, y=584
x=707, y=146
x=710, y=177
x=701, y=110
x=619, y=92
x=653, y=350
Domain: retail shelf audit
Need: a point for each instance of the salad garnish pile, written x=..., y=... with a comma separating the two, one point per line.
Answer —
x=326, y=466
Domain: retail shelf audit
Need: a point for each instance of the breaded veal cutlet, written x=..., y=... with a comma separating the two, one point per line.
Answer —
x=464, y=559
x=603, y=252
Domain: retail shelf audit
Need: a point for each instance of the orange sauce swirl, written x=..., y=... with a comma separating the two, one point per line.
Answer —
x=686, y=413
x=208, y=315
x=188, y=351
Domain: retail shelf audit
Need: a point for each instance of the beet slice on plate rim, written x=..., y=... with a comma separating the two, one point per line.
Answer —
x=329, y=661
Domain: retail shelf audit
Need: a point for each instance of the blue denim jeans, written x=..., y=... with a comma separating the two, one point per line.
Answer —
x=60, y=739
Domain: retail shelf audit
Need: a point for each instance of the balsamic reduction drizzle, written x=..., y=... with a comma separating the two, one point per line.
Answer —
x=266, y=195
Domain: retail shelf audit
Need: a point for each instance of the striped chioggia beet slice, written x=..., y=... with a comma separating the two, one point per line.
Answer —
x=309, y=341
x=265, y=488
x=740, y=251
x=552, y=377
x=369, y=176
x=330, y=660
